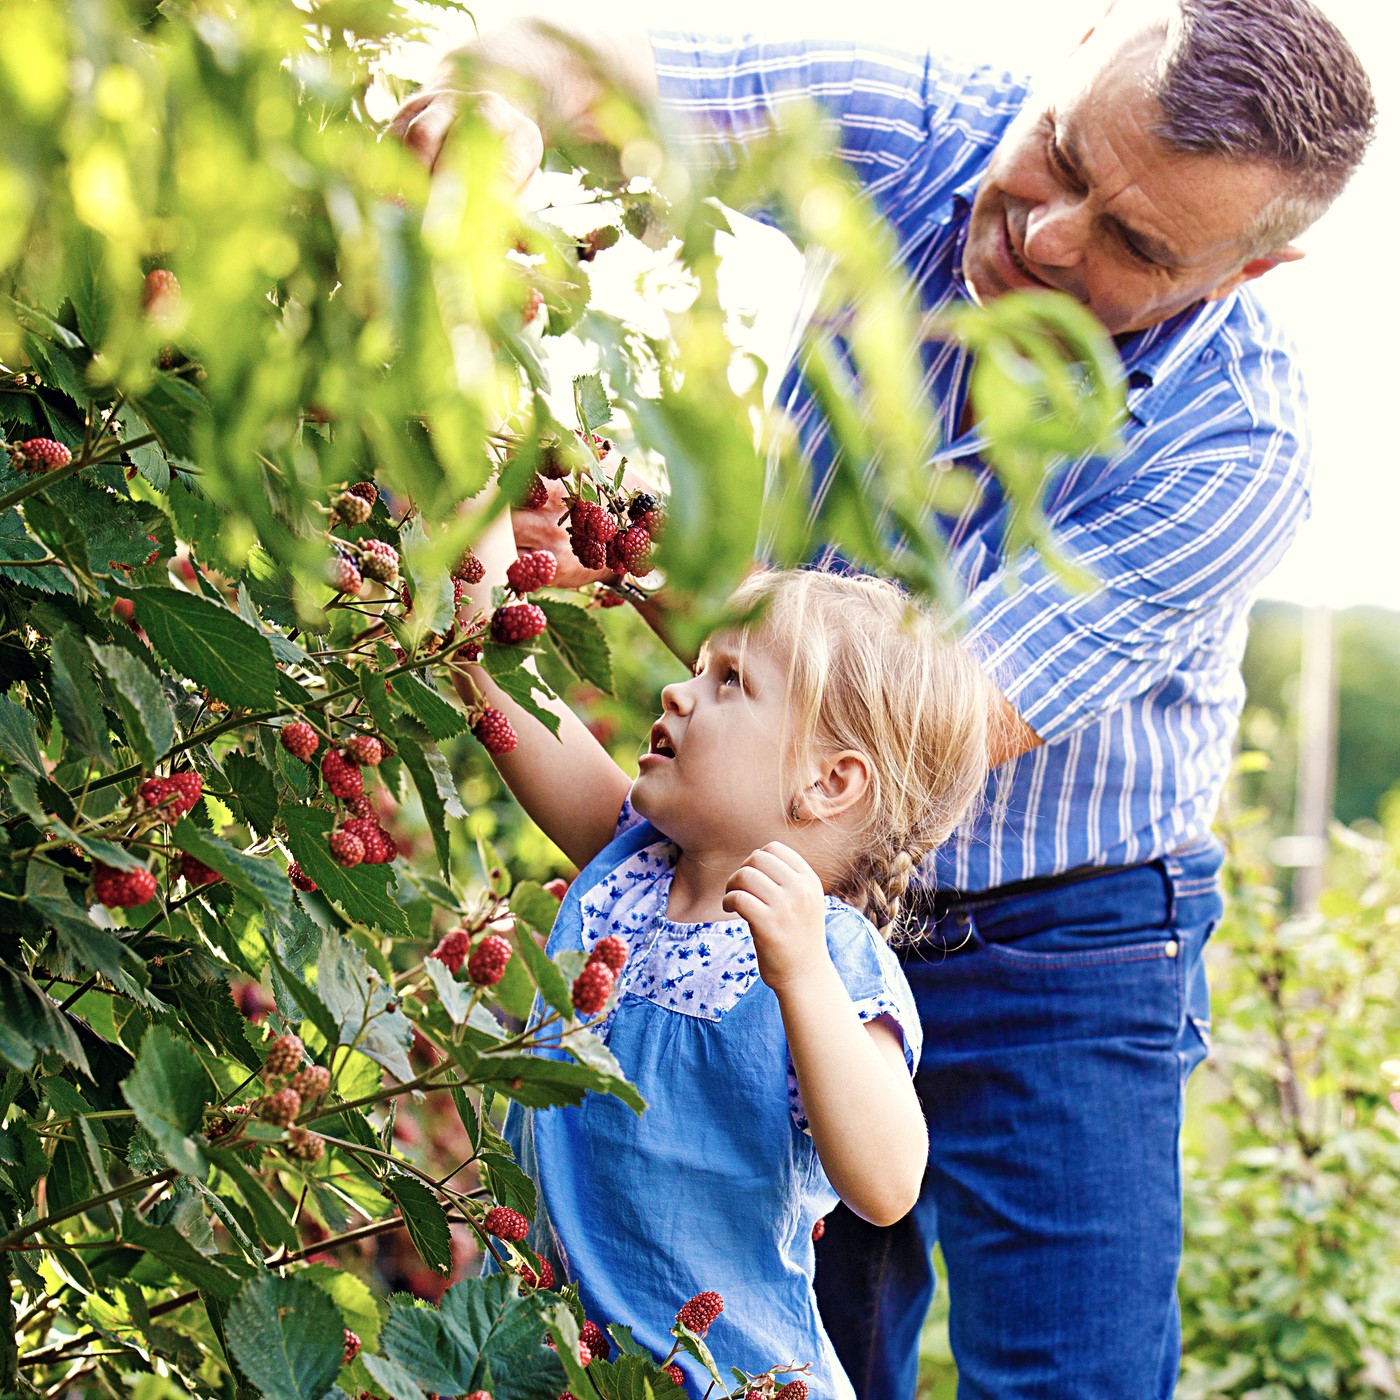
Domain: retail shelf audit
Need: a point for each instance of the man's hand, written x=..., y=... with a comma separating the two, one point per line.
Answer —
x=540, y=529
x=424, y=122
x=780, y=897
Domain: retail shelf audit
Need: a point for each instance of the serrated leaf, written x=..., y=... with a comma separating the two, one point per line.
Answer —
x=287, y=1337
x=146, y=713
x=261, y=878
x=392, y=1378
x=541, y=1081
x=358, y=1000
x=75, y=699
x=425, y=1220
x=168, y=1091
x=210, y=644
x=455, y=996
x=531, y=902
x=360, y=893
x=509, y=1186
x=255, y=791
x=64, y=536
x=502, y=664
x=269, y=1221
x=582, y=646
x=19, y=741
x=591, y=399
x=30, y=1024
x=436, y=788
x=440, y=718
x=697, y=1348
x=96, y=949
x=221, y=1274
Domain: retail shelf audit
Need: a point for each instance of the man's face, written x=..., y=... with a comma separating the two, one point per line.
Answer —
x=1081, y=197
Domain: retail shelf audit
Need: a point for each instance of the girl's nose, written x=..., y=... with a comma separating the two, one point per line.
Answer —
x=677, y=698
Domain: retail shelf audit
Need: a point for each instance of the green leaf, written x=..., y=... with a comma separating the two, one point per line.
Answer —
x=551, y=982
x=697, y=1348
x=287, y=1337
x=168, y=1091
x=211, y=645
x=272, y=1223
x=30, y=1024
x=261, y=878
x=509, y=1186
x=455, y=996
x=580, y=642
x=64, y=536
x=440, y=718
x=392, y=1378
x=358, y=999
x=150, y=723
x=436, y=787
x=220, y=1274
x=361, y=893
x=19, y=741
x=482, y=1334
x=96, y=949
x=75, y=699
x=425, y=1219
x=591, y=399
x=531, y=902
x=539, y=1081
x=255, y=791
x=502, y=664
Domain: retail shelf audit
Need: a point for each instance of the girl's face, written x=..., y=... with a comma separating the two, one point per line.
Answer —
x=713, y=777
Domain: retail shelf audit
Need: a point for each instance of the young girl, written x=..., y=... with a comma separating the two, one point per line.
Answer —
x=787, y=792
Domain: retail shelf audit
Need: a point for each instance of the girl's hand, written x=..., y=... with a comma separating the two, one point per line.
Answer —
x=780, y=897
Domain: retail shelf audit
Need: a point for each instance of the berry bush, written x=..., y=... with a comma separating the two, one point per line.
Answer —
x=266, y=984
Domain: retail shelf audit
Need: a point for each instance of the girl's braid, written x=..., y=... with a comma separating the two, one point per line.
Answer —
x=880, y=881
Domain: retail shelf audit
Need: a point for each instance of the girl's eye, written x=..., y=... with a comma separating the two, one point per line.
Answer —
x=731, y=677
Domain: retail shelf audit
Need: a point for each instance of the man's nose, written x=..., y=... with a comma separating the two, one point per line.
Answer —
x=1057, y=232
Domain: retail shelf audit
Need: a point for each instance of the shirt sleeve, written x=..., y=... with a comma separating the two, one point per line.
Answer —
x=1167, y=560
x=876, y=983
x=729, y=91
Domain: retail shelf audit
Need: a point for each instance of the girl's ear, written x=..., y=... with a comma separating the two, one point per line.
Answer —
x=843, y=779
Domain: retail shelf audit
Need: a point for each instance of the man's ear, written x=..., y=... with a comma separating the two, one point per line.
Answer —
x=1255, y=267
x=842, y=782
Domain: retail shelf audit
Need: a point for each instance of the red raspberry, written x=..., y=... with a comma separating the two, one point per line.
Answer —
x=352, y=1347
x=595, y=1339
x=700, y=1311
x=351, y=508
x=517, y=622
x=195, y=872
x=545, y=1277
x=300, y=740
x=647, y=511
x=300, y=879
x=506, y=1224
x=676, y=1374
x=534, y=304
x=41, y=454
x=280, y=1108
x=531, y=571
x=380, y=561
x=610, y=950
x=342, y=777
x=389, y=848
x=346, y=848
x=793, y=1390
x=469, y=569
x=536, y=494
x=818, y=1229
x=361, y=806
x=590, y=529
x=380, y=847
x=153, y=792
x=592, y=987
x=494, y=731
x=305, y=1145
x=452, y=949
x=188, y=787
x=630, y=551
x=487, y=964
x=459, y=590
x=122, y=889
x=477, y=1395
x=160, y=293
x=365, y=490
x=344, y=575
x=284, y=1057
x=311, y=1082
x=365, y=750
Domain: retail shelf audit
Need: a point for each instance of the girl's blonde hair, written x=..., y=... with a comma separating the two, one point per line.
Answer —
x=871, y=670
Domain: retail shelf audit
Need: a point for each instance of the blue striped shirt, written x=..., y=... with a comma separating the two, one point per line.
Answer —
x=1134, y=685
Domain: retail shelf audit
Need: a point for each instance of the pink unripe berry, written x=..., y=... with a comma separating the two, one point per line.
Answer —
x=495, y=732
x=352, y=1347
x=699, y=1312
x=284, y=1057
x=365, y=750
x=531, y=571
x=453, y=948
x=41, y=454
x=610, y=950
x=300, y=739
x=346, y=848
x=311, y=1082
x=280, y=1108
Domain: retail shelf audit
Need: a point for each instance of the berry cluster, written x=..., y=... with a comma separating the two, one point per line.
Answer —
x=487, y=964
x=172, y=797
x=593, y=986
x=40, y=455
x=194, y=871
x=618, y=537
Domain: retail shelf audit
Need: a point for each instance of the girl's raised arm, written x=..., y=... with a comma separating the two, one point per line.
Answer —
x=570, y=786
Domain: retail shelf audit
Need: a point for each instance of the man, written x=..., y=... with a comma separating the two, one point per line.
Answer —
x=1060, y=975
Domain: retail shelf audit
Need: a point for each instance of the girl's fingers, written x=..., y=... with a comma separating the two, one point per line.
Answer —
x=750, y=879
x=742, y=904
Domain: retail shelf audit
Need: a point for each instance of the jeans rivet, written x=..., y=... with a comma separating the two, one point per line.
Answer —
x=1170, y=948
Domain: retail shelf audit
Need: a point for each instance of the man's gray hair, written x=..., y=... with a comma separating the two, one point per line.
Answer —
x=1267, y=81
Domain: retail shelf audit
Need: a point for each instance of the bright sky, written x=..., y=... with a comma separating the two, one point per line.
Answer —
x=1341, y=303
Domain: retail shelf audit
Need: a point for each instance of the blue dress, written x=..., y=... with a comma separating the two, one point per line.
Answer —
x=717, y=1185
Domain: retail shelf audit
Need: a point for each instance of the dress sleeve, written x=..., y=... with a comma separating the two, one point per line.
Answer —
x=628, y=817
x=876, y=984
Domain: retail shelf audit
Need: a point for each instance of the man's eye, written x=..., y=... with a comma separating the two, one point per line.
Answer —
x=1138, y=255
x=1061, y=166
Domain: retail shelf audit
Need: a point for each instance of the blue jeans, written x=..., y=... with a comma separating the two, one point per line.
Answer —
x=1059, y=1028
